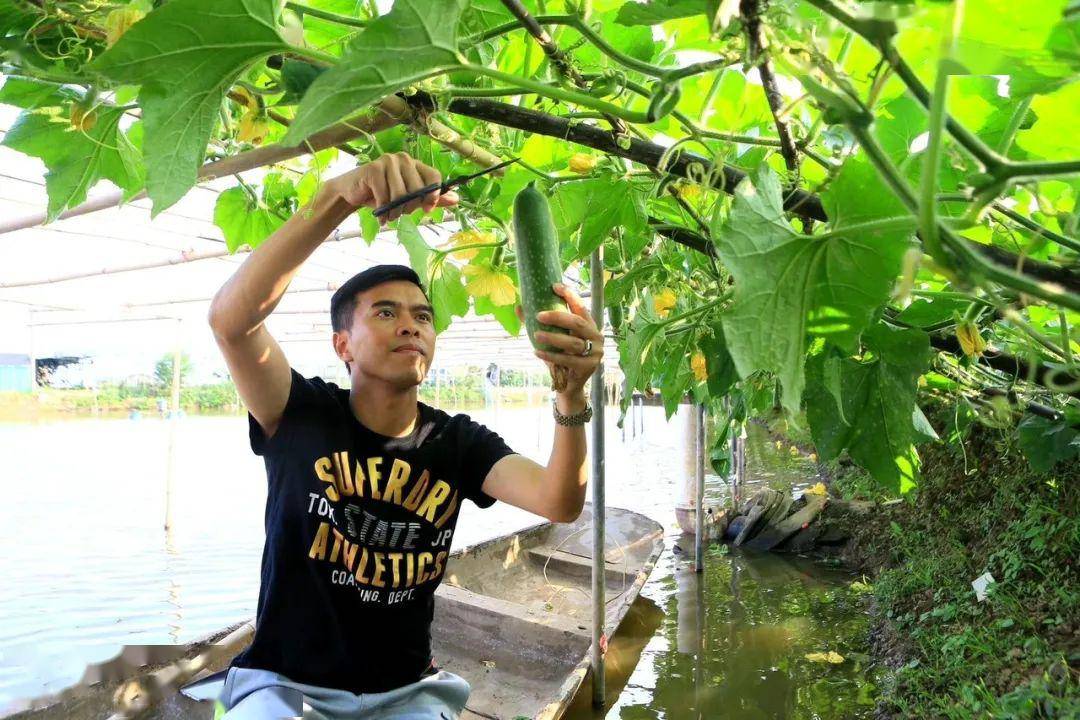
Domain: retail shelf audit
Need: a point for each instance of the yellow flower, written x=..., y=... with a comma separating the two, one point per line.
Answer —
x=82, y=118
x=688, y=191
x=119, y=21
x=253, y=128
x=697, y=364
x=486, y=281
x=813, y=457
x=971, y=341
x=582, y=162
x=818, y=489
x=794, y=451
x=246, y=98
x=467, y=237
x=779, y=445
x=663, y=301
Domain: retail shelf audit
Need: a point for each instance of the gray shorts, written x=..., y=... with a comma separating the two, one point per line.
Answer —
x=247, y=694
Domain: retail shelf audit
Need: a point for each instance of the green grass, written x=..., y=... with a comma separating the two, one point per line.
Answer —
x=978, y=509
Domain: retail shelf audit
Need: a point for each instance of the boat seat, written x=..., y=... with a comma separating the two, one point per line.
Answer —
x=576, y=565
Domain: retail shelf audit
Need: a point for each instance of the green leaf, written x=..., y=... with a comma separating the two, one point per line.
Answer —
x=296, y=78
x=635, y=349
x=718, y=362
x=186, y=54
x=788, y=284
x=505, y=314
x=29, y=93
x=1046, y=442
x=242, y=220
x=369, y=225
x=418, y=249
x=658, y=11
x=675, y=374
x=448, y=295
x=594, y=207
x=1039, y=51
x=76, y=160
x=636, y=41
x=876, y=424
x=415, y=40
x=925, y=313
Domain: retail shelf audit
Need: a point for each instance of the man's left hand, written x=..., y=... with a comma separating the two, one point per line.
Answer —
x=578, y=368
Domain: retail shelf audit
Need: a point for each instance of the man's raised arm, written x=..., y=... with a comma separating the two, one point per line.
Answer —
x=238, y=311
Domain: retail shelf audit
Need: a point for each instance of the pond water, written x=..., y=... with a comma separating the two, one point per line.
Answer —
x=88, y=567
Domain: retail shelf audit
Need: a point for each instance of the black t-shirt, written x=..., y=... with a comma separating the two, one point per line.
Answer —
x=358, y=529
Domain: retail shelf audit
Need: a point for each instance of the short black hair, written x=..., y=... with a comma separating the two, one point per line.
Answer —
x=343, y=302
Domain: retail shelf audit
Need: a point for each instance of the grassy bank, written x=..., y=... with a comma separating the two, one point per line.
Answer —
x=979, y=508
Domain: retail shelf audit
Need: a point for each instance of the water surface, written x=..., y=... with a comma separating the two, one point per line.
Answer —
x=88, y=566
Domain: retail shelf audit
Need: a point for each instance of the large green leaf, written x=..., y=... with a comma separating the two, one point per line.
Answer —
x=1045, y=442
x=788, y=284
x=416, y=39
x=75, y=159
x=876, y=423
x=185, y=55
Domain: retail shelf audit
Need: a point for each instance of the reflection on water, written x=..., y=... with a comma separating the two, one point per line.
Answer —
x=88, y=567
x=731, y=642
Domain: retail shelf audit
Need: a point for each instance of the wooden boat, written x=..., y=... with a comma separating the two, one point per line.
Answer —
x=512, y=616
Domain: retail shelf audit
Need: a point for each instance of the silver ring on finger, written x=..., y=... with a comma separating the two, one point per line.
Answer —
x=588, y=348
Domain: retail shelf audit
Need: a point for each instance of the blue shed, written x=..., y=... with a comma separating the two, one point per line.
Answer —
x=15, y=373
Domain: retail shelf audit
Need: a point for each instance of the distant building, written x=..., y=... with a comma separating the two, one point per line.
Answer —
x=16, y=373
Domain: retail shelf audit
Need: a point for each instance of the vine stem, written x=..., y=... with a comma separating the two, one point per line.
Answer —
x=932, y=159
x=558, y=93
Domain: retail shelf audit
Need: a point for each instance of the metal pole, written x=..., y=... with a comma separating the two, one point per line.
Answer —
x=699, y=474
x=598, y=567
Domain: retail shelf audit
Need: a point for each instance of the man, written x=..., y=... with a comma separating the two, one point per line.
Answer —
x=365, y=484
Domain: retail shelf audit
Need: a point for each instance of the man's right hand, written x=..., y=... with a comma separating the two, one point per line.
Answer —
x=385, y=179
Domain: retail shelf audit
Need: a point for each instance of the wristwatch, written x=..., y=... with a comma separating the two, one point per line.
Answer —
x=572, y=420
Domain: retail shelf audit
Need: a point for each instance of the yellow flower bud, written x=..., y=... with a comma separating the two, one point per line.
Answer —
x=582, y=162
x=971, y=341
x=697, y=364
x=663, y=301
x=688, y=191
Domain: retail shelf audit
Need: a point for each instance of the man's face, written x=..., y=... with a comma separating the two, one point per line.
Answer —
x=392, y=337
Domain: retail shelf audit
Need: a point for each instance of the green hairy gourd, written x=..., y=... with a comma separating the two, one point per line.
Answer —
x=538, y=267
